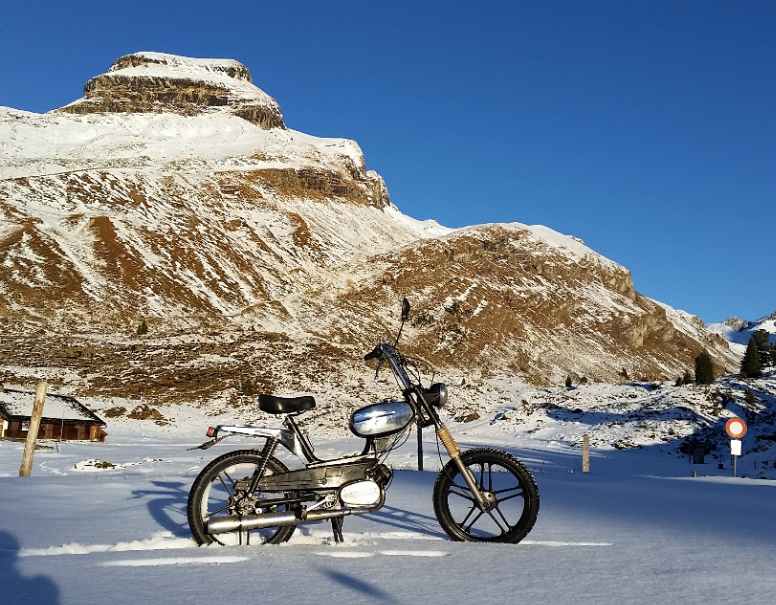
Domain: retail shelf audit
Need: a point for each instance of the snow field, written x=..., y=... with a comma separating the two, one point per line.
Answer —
x=637, y=529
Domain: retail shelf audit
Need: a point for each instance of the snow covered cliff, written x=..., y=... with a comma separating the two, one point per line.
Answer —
x=174, y=193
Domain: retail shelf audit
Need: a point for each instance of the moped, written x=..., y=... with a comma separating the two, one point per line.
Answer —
x=248, y=496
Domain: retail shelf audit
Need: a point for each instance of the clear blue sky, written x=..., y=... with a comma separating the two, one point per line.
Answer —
x=647, y=129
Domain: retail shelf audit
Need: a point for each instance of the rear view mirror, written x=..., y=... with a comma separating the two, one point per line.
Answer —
x=405, y=309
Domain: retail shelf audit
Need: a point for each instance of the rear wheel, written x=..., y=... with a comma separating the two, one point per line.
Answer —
x=221, y=490
x=512, y=490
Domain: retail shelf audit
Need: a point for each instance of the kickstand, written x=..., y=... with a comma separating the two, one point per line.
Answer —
x=336, y=526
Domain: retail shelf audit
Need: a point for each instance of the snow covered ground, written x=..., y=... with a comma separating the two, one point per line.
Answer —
x=636, y=529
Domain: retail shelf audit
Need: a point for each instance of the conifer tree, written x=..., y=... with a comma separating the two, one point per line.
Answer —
x=761, y=338
x=764, y=349
x=704, y=368
x=750, y=399
x=750, y=365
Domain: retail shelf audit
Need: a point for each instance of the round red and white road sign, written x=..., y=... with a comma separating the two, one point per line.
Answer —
x=736, y=428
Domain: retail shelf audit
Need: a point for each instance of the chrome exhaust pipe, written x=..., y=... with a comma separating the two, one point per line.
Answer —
x=223, y=525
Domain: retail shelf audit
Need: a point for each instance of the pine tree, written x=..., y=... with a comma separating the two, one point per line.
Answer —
x=764, y=348
x=750, y=399
x=142, y=328
x=761, y=338
x=704, y=368
x=750, y=365
x=687, y=378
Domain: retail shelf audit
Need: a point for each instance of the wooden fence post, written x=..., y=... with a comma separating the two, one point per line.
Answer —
x=585, y=453
x=32, y=431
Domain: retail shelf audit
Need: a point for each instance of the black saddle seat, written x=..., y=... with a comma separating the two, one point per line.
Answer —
x=285, y=405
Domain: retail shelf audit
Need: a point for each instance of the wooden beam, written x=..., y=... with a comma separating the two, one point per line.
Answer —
x=32, y=432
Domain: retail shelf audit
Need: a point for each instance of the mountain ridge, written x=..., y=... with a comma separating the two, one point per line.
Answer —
x=738, y=331
x=200, y=219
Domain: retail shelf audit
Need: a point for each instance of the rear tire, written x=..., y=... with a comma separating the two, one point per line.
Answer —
x=510, y=482
x=221, y=490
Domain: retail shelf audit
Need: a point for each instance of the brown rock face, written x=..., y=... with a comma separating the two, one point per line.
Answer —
x=152, y=82
x=498, y=299
x=212, y=247
x=358, y=187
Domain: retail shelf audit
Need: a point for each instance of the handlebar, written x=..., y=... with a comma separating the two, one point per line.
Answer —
x=385, y=352
x=375, y=354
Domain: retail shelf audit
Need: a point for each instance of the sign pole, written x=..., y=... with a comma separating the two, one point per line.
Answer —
x=736, y=428
x=585, y=453
x=32, y=432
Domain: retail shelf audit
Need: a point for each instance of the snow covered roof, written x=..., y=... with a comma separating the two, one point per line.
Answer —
x=18, y=404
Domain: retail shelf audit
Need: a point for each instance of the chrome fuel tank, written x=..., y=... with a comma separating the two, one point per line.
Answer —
x=381, y=419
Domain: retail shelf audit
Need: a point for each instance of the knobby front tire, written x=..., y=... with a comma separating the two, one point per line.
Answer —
x=220, y=490
x=514, y=489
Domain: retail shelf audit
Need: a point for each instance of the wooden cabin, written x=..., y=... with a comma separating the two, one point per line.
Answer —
x=64, y=418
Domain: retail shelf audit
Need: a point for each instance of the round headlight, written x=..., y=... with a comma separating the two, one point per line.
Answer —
x=440, y=390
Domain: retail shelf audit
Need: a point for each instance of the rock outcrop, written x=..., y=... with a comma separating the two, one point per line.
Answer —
x=736, y=323
x=156, y=82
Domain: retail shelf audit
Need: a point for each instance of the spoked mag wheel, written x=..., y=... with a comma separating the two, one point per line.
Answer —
x=221, y=490
x=514, y=498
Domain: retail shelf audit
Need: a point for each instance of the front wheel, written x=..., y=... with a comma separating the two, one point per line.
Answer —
x=513, y=491
x=221, y=489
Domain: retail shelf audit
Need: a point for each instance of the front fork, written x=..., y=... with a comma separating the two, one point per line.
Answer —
x=486, y=500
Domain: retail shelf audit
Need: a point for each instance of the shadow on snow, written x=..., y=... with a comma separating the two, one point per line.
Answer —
x=167, y=505
x=33, y=590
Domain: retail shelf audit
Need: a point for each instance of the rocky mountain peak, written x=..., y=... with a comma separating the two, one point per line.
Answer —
x=150, y=82
x=183, y=202
x=736, y=323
